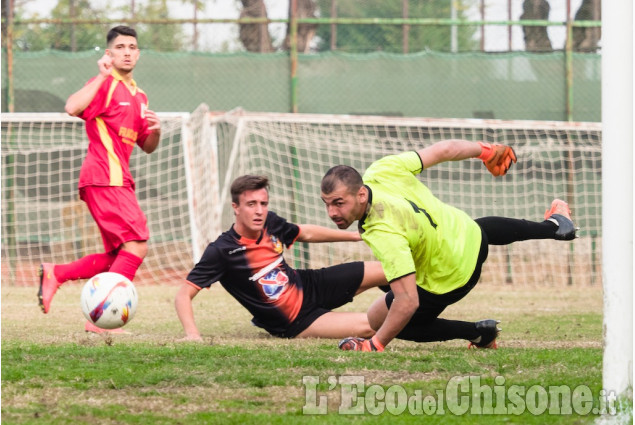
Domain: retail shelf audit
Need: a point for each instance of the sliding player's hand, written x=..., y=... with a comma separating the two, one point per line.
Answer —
x=497, y=158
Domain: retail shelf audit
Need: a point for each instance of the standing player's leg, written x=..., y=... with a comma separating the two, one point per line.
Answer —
x=129, y=258
x=123, y=227
x=52, y=276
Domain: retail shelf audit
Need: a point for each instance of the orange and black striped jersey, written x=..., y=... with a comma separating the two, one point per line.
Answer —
x=115, y=122
x=255, y=272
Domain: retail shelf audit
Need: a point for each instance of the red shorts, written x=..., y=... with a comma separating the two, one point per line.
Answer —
x=117, y=214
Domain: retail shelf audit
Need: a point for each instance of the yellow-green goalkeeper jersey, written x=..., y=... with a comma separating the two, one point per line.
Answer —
x=411, y=231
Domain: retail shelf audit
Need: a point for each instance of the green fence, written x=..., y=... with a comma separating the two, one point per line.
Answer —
x=526, y=86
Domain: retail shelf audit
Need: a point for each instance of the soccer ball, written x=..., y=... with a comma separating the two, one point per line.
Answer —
x=109, y=300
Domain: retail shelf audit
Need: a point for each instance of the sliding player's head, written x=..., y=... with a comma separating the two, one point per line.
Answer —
x=344, y=195
x=250, y=201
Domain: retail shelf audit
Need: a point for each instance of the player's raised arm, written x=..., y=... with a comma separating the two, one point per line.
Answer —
x=315, y=233
x=497, y=158
x=80, y=100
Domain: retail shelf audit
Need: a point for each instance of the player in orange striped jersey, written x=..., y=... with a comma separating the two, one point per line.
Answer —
x=248, y=260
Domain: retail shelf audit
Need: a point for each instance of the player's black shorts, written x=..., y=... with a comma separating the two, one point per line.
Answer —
x=324, y=290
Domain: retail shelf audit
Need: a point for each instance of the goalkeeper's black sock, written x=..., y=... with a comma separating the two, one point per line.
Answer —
x=439, y=330
x=504, y=231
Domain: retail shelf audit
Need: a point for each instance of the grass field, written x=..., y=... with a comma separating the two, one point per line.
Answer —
x=53, y=372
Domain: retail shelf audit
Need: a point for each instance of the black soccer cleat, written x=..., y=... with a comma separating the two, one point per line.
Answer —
x=566, y=229
x=488, y=330
x=560, y=214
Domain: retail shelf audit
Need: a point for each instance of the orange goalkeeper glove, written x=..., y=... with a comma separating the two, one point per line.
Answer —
x=497, y=158
x=360, y=344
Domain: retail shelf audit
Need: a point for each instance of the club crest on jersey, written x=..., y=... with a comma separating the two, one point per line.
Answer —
x=277, y=245
x=274, y=283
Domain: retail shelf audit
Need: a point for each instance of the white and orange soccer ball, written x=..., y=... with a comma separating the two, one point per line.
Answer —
x=109, y=300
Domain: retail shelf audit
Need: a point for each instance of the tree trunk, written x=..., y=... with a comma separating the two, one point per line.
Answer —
x=306, y=32
x=255, y=37
x=585, y=39
x=536, y=38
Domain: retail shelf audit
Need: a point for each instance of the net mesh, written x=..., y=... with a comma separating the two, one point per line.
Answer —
x=183, y=187
x=556, y=160
x=43, y=218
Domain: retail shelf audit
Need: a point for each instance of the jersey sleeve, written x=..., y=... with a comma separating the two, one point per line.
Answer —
x=393, y=251
x=287, y=232
x=98, y=105
x=392, y=167
x=209, y=269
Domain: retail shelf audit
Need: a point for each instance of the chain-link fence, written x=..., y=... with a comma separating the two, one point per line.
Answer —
x=474, y=85
x=402, y=58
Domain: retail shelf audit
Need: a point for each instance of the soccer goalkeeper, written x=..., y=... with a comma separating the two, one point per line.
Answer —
x=431, y=252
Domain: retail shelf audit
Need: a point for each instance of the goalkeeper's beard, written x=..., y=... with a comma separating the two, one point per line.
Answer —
x=340, y=223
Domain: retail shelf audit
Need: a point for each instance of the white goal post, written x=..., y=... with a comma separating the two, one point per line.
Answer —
x=183, y=187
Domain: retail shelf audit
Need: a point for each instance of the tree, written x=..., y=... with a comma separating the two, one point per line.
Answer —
x=255, y=37
x=158, y=37
x=587, y=39
x=390, y=38
x=306, y=32
x=198, y=6
x=536, y=37
x=60, y=37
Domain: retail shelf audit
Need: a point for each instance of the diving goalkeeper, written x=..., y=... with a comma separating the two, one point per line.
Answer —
x=431, y=252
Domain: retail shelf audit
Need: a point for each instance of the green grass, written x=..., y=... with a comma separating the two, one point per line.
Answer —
x=52, y=372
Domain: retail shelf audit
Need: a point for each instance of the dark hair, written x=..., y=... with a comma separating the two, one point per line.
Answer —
x=120, y=30
x=248, y=182
x=344, y=174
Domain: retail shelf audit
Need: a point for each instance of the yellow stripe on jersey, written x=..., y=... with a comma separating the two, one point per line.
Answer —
x=114, y=165
x=111, y=90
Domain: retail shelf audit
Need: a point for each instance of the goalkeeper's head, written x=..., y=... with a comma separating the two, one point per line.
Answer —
x=344, y=195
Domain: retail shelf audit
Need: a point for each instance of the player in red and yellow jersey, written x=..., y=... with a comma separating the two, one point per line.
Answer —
x=248, y=261
x=117, y=118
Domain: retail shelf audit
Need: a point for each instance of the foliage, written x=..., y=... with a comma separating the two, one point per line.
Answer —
x=89, y=36
x=58, y=37
x=367, y=38
x=160, y=38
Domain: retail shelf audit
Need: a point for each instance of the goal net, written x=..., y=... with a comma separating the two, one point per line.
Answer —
x=555, y=160
x=183, y=187
x=43, y=219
